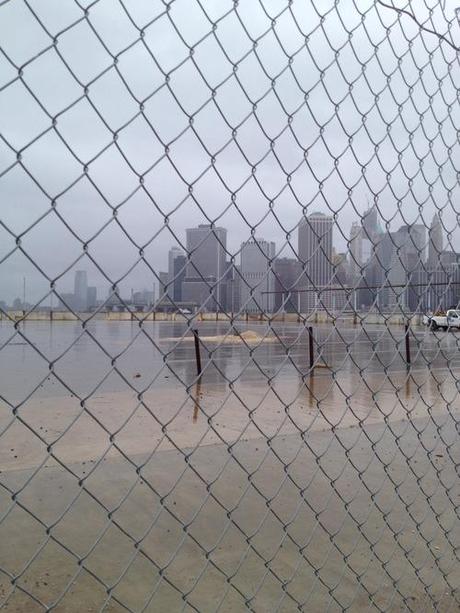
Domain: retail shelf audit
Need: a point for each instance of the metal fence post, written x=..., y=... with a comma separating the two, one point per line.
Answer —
x=407, y=342
x=197, y=351
x=311, y=349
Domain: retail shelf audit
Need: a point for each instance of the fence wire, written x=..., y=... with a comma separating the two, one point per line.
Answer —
x=229, y=305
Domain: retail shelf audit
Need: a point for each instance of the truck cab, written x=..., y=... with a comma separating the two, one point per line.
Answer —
x=453, y=318
x=449, y=320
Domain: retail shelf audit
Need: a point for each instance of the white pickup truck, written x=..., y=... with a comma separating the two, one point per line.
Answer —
x=450, y=320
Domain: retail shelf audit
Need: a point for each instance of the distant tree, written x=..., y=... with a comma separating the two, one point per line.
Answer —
x=17, y=304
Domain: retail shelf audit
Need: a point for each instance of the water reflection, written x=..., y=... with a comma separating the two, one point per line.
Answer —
x=84, y=364
x=197, y=398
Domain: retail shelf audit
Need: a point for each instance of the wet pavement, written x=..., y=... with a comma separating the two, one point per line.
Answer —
x=258, y=487
x=110, y=356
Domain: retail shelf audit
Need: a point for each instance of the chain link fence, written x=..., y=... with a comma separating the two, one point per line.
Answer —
x=228, y=305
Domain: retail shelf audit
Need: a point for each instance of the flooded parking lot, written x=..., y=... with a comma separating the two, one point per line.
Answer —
x=109, y=356
x=129, y=483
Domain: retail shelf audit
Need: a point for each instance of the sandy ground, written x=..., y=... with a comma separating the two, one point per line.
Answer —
x=69, y=429
x=333, y=493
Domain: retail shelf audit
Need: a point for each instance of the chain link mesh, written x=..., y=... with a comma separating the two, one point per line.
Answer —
x=267, y=425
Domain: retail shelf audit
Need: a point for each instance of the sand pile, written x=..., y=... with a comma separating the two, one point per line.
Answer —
x=247, y=336
x=251, y=336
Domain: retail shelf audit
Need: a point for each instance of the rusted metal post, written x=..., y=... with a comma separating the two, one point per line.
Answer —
x=311, y=349
x=407, y=339
x=197, y=352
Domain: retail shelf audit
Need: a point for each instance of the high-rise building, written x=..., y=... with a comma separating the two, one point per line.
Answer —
x=407, y=258
x=448, y=258
x=341, y=268
x=91, y=300
x=316, y=257
x=163, y=279
x=204, y=282
x=435, y=242
x=315, y=248
x=179, y=267
x=81, y=290
x=287, y=273
x=374, y=281
x=257, y=279
x=356, y=252
x=371, y=234
x=370, y=224
x=173, y=253
x=233, y=286
x=436, y=289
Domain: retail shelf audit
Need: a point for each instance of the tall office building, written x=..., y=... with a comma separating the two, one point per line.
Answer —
x=233, y=286
x=257, y=279
x=287, y=272
x=435, y=242
x=81, y=290
x=316, y=257
x=204, y=282
x=370, y=224
x=407, y=258
x=91, y=301
x=179, y=267
x=374, y=280
x=315, y=248
x=163, y=280
x=173, y=253
x=356, y=252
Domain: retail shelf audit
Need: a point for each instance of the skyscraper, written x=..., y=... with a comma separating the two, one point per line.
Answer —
x=91, y=298
x=370, y=224
x=287, y=272
x=174, y=252
x=205, y=272
x=356, y=252
x=435, y=243
x=407, y=258
x=179, y=266
x=81, y=290
x=258, y=281
x=316, y=257
x=163, y=279
x=315, y=248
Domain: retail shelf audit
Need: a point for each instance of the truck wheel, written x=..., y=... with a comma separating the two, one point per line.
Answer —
x=433, y=326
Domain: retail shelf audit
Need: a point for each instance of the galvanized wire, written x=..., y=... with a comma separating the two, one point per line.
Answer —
x=391, y=136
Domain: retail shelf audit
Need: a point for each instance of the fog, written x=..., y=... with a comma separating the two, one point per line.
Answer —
x=123, y=122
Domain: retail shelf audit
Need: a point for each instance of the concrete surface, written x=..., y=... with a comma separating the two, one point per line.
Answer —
x=277, y=492
x=372, y=527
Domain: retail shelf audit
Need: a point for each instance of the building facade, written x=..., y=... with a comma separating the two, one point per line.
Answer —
x=408, y=259
x=287, y=273
x=173, y=254
x=316, y=258
x=257, y=284
x=178, y=276
x=204, y=282
x=356, y=252
x=81, y=290
x=435, y=242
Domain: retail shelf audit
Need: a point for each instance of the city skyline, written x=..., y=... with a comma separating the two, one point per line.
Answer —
x=371, y=252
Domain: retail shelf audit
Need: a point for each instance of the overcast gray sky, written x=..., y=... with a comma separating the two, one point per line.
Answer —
x=89, y=125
